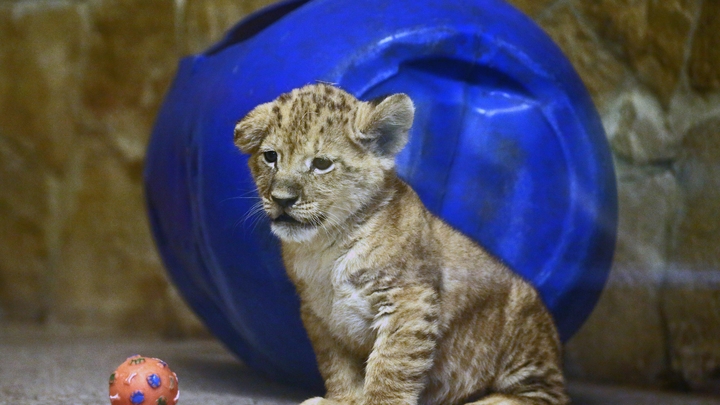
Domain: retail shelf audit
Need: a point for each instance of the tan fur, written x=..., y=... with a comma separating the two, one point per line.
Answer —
x=400, y=308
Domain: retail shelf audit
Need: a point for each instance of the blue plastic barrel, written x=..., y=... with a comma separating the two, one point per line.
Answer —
x=507, y=147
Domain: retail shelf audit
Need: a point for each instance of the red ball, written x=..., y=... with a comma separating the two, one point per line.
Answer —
x=143, y=380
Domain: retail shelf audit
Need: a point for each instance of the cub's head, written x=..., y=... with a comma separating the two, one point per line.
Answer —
x=319, y=155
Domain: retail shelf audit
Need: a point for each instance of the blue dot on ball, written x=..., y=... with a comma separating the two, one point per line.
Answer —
x=153, y=380
x=137, y=397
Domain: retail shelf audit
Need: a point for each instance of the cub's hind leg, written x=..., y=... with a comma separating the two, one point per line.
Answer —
x=502, y=399
x=528, y=388
x=319, y=401
x=529, y=368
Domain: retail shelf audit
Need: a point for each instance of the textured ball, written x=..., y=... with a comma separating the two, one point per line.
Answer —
x=143, y=380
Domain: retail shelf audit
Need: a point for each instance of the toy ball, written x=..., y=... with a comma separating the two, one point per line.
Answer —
x=143, y=380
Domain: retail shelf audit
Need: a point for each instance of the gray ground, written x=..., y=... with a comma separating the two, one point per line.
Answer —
x=39, y=367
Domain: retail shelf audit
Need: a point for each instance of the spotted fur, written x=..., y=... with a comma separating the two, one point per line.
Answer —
x=400, y=308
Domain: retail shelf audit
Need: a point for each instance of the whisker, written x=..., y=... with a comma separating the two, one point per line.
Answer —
x=255, y=215
x=240, y=198
x=245, y=195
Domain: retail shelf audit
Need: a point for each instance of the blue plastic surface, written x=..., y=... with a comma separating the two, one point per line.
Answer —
x=507, y=147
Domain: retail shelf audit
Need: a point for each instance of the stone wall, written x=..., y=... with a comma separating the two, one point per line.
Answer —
x=652, y=68
x=80, y=84
x=81, y=81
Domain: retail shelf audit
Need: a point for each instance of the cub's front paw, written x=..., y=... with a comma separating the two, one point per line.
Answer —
x=319, y=401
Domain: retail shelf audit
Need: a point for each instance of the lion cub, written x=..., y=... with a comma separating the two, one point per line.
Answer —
x=400, y=308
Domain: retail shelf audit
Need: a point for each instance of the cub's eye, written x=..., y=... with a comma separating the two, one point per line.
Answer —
x=322, y=165
x=270, y=156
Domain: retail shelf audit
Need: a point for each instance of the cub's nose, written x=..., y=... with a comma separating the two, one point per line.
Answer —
x=285, y=201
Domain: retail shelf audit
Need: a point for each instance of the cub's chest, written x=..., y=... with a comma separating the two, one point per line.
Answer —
x=327, y=291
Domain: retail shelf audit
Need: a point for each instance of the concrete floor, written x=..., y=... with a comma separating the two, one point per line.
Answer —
x=38, y=367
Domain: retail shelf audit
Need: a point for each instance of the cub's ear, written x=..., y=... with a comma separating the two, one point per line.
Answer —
x=251, y=130
x=383, y=124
